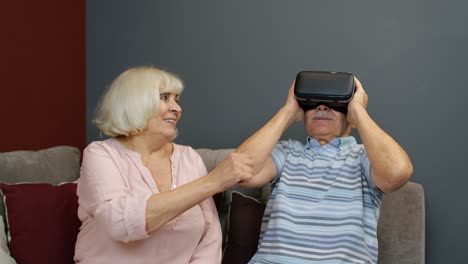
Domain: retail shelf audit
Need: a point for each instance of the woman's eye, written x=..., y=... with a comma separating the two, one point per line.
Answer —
x=163, y=97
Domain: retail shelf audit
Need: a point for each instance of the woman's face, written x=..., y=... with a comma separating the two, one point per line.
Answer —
x=164, y=123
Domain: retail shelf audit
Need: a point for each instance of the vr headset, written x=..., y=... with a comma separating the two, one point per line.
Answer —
x=332, y=89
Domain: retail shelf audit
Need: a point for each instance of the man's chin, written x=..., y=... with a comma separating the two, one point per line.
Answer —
x=321, y=132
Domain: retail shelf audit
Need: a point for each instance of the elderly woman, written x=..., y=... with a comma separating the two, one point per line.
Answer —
x=142, y=198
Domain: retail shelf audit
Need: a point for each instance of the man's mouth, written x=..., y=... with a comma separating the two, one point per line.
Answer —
x=322, y=118
x=321, y=115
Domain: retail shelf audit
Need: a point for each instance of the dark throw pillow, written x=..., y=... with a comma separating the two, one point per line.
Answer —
x=245, y=219
x=42, y=221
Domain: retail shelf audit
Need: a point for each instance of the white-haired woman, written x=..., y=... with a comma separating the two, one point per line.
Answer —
x=142, y=198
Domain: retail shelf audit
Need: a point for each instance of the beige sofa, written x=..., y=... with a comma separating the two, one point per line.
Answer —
x=42, y=219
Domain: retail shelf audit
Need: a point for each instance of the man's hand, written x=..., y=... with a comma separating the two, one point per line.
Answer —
x=358, y=103
x=292, y=106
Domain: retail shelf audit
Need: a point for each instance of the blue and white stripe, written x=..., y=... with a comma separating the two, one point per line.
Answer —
x=323, y=208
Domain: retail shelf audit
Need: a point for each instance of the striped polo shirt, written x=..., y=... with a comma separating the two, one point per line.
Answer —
x=323, y=208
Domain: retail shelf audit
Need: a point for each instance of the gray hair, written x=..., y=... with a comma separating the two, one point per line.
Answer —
x=132, y=99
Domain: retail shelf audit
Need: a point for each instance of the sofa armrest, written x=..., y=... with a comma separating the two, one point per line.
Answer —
x=401, y=229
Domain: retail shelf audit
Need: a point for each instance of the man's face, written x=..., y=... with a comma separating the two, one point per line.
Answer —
x=324, y=124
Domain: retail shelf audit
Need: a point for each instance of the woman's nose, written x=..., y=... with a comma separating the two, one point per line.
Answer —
x=175, y=107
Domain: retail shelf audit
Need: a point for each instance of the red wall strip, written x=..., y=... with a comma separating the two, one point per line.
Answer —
x=42, y=74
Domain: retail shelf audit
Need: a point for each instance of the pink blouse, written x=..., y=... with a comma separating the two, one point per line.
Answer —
x=113, y=190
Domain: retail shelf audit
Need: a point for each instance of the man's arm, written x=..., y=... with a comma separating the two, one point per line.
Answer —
x=259, y=146
x=391, y=167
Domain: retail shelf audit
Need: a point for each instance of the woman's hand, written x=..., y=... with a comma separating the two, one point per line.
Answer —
x=235, y=168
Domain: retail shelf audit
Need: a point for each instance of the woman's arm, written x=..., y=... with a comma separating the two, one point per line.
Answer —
x=127, y=215
x=103, y=193
x=163, y=207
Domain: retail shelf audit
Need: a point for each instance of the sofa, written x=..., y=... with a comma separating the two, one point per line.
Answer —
x=38, y=222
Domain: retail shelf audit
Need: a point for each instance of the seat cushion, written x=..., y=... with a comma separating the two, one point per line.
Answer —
x=5, y=257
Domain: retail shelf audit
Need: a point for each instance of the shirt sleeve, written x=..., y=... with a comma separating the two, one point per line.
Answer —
x=208, y=249
x=104, y=193
x=366, y=170
x=279, y=155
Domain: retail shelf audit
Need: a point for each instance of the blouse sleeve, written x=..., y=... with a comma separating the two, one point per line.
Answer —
x=209, y=248
x=104, y=193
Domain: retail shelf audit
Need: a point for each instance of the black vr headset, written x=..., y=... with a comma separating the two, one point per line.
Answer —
x=332, y=89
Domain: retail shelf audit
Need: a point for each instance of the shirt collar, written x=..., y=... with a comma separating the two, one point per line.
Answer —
x=339, y=143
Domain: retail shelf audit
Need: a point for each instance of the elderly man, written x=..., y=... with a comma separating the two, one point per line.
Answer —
x=326, y=194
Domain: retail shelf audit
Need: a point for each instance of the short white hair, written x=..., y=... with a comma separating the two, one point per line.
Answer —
x=133, y=99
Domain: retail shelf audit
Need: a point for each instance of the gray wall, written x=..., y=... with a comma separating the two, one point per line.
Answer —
x=238, y=58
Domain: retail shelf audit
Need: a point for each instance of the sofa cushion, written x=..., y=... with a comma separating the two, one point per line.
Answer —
x=42, y=221
x=53, y=165
x=245, y=219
